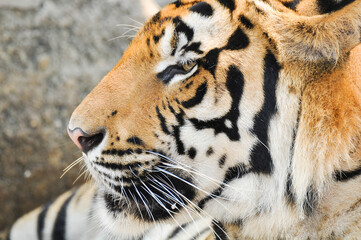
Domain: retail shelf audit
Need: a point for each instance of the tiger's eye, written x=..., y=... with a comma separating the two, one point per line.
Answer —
x=188, y=66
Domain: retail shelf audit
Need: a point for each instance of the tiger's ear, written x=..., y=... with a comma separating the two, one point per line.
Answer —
x=149, y=8
x=321, y=38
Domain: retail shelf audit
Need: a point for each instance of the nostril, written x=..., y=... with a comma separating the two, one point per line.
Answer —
x=84, y=141
x=89, y=142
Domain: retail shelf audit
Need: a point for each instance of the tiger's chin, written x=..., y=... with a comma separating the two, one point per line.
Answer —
x=150, y=196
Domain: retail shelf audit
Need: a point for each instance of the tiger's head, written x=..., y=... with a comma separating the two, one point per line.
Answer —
x=207, y=113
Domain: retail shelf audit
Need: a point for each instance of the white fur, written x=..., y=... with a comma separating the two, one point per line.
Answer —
x=25, y=227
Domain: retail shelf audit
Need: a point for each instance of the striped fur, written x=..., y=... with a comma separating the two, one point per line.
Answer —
x=76, y=215
x=223, y=120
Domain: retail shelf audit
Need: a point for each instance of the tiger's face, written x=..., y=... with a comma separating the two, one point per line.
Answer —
x=183, y=114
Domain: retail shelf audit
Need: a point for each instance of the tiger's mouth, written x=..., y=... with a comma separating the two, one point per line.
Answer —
x=151, y=190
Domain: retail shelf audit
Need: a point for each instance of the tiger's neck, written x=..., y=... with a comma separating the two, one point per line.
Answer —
x=307, y=138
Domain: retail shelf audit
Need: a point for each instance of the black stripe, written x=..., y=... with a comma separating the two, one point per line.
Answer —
x=135, y=140
x=176, y=231
x=59, y=230
x=119, y=152
x=177, y=3
x=219, y=231
x=222, y=161
x=114, y=205
x=155, y=18
x=192, y=152
x=235, y=172
x=343, y=176
x=156, y=38
x=203, y=9
x=162, y=120
x=290, y=196
x=289, y=193
x=179, y=116
x=310, y=201
x=201, y=204
x=261, y=160
x=41, y=220
x=210, y=61
x=207, y=229
x=238, y=40
x=176, y=129
x=178, y=141
x=246, y=22
x=292, y=5
x=188, y=86
x=118, y=166
x=210, y=151
x=235, y=84
x=180, y=26
x=126, y=180
x=328, y=6
x=197, y=99
x=194, y=47
x=228, y=4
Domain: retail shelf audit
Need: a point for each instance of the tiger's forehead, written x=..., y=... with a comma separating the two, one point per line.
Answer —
x=201, y=15
x=184, y=22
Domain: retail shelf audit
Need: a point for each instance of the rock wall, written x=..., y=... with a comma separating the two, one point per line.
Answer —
x=52, y=53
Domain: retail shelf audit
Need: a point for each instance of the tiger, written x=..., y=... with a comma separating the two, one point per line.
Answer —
x=224, y=119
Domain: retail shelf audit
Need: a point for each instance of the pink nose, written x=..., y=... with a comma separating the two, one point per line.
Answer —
x=84, y=141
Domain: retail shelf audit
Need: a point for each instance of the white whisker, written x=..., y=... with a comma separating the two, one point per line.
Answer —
x=84, y=172
x=141, y=24
x=128, y=25
x=73, y=164
x=122, y=36
x=135, y=200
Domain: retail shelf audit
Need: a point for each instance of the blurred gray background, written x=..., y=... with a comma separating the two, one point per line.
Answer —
x=52, y=53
